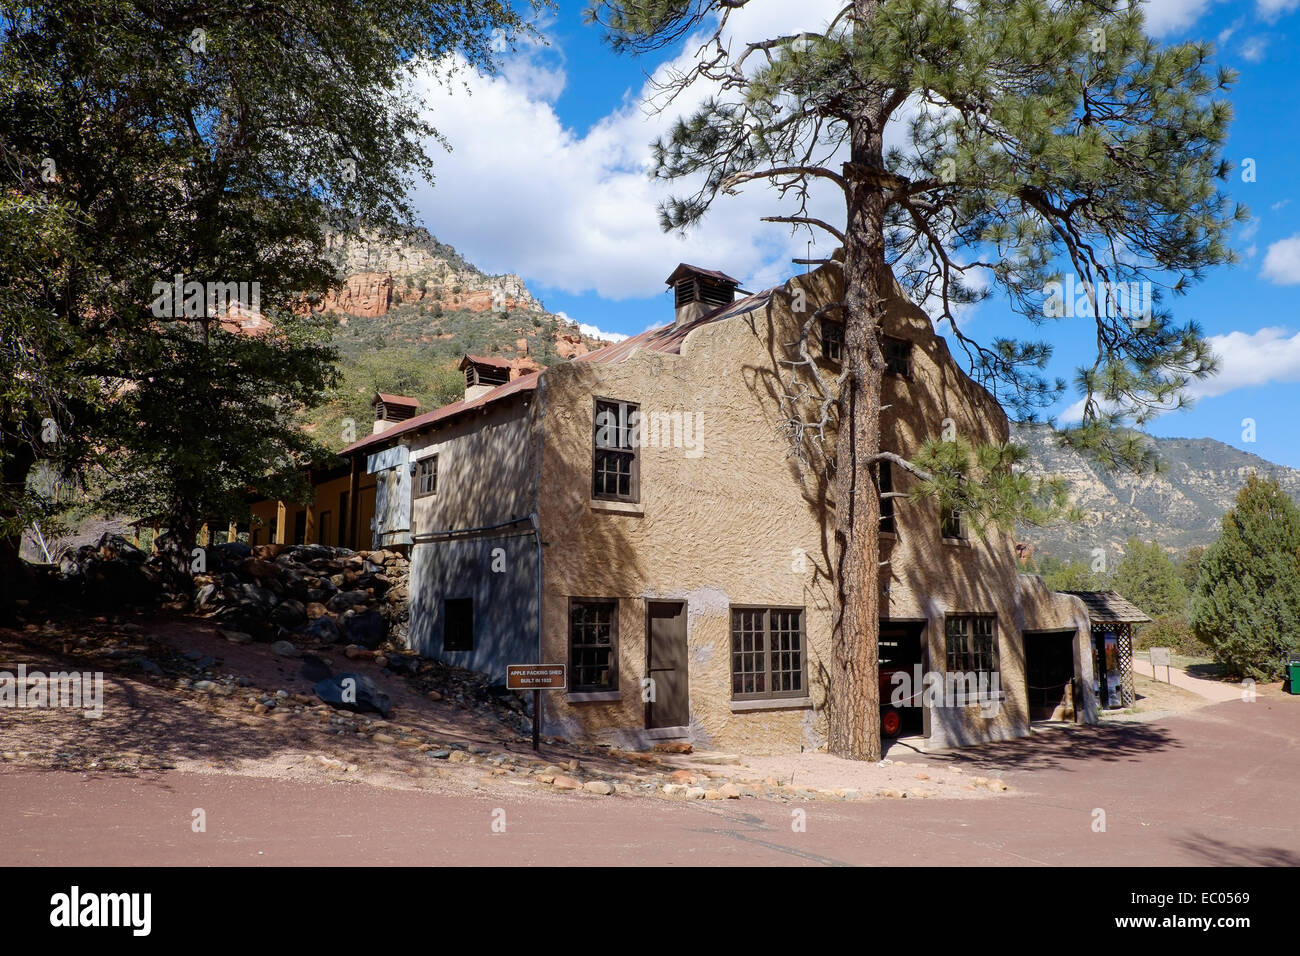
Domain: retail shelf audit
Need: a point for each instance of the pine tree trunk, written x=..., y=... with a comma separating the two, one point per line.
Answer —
x=854, y=716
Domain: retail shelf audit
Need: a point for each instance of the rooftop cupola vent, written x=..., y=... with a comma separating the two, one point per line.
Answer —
x=697, y=292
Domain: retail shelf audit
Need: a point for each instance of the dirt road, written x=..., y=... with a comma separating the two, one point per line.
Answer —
x=1219, y=785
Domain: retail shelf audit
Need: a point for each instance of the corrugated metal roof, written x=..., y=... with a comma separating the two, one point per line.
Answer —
x=667, y=339
x=1110, y=606
x=485, y=360
x=711, y=273
x=524, y=383
x=396, y=400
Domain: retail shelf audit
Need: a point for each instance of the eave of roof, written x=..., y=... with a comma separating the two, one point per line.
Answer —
x=397, y=400
x=1110, y=606
x=484, y=360
x=525, y=383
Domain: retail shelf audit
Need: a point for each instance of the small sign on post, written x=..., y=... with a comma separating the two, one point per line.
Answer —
x=1160, y=658
x=537, y=678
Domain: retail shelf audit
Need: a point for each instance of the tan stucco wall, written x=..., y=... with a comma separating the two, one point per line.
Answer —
x=729, y=527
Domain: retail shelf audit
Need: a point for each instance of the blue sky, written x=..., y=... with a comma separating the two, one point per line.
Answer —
x=547, y=178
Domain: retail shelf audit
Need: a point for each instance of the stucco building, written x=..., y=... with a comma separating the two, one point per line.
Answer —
x=636, y=515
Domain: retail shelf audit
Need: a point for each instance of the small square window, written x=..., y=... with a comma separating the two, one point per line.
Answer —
x=970, y=644
x=458, y=624
x=767, y=653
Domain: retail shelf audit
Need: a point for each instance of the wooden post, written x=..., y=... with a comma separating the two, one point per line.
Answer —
x=354, y=504
x=537, y=718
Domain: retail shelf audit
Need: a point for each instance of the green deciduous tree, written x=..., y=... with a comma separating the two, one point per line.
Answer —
x=1246, y=604
x=216, y=140
x=1148, y=577
x=1035, y=139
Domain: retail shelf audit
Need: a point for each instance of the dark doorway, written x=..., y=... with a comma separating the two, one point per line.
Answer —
x=300, y=528
x=666, y=665
x=902, y=651
x=1049, y=675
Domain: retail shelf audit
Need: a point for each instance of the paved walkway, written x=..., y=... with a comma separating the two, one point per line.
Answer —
x=1215, y=690
x=1219, y=785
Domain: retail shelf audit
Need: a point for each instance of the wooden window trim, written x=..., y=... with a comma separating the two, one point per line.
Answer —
x=769, y=694
x=420, y=463
x=576, y=687
x=634, y=478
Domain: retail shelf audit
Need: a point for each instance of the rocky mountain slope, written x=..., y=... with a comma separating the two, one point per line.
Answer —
x=426, y=295
x=1179, y=507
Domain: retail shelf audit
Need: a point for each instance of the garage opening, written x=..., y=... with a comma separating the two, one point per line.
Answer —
x=1049, y=674
x=901, y=651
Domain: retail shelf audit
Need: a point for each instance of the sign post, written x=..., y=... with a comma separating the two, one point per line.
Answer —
x=1160, y=657
x=537, y=678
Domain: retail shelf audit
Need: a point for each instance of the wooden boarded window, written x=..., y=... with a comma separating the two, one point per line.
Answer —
x=426, y=477
x=458, y=624
x=767, y=653
x=615, y=461
x=971, y=643
x=593, y=643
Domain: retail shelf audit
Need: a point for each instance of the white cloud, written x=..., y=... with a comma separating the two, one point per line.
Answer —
x=1247, y=359
x=1268, y=356
x=1169, y=16
x=1282, y=262
x=596, y=333
x=1270, y=10
x=1279, y=205
x=521, y=192
x=1253, y=48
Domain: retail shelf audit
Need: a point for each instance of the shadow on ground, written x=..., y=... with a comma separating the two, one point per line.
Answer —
x=1064, y=748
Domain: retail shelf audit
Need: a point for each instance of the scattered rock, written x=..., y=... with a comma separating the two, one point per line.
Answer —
x=284, y=648
x=598, y=786
x=672, y=747
x=566, y=783
x=695, y=793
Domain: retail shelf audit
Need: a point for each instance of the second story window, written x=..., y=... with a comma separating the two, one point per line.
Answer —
x=898, y=355
x=426, y=477
x=952, y=524
x=832, y=340
x=615, y=465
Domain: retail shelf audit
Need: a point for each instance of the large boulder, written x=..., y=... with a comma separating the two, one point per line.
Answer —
x=353, y=692
x=345, y=599
x=324, y=630
x=367, y=628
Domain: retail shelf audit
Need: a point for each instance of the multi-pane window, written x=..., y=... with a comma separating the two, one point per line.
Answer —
x=615, y=468
x=885, y=479
x=458, y=624
x=898, y=355
x=970, y=643
x=951, y=523
x=593, y=644
x=426, y=477
x=767, y=653
x=832, y=340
